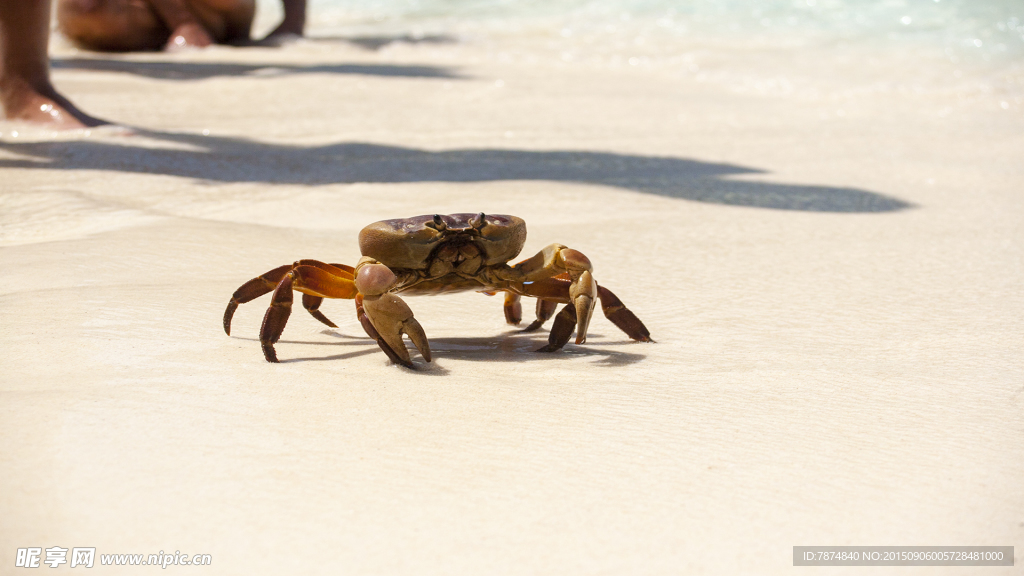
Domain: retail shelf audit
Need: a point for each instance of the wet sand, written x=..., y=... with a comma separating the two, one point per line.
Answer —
x=833, y=277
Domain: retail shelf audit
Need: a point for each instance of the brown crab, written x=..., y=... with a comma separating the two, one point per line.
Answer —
x=438, y=254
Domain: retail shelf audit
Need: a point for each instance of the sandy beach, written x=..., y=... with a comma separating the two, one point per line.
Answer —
x=826, y=245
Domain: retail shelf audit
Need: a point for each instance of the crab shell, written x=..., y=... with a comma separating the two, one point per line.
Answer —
x=409, y=242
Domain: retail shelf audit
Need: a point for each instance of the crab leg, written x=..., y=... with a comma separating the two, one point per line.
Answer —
x=252, y=290
x=622, y=317
x=312, y=305
x=266, y=282
x=545, y=309
x=513, y=309
x=388, y=315
x=308, y=279
x=561, y=330
x=549, y=292
x=556, y=290
x=555, y=260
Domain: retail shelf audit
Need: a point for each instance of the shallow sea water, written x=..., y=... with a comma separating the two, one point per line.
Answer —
x=964, y=30
x=970, y=50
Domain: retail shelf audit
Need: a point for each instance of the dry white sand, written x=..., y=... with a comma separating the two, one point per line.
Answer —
x=831, y=264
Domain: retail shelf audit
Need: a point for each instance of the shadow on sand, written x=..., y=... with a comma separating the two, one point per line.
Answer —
x=515, y=346
x=223, y=159
x=378, y=42
x=174, y=70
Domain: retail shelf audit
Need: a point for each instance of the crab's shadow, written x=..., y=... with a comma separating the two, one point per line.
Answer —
x=511, y=346
x=522, y=347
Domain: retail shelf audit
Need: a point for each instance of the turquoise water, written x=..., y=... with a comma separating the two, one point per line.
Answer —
x=979, y=30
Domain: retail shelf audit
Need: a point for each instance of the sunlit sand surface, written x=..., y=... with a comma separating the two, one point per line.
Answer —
x=825, y=242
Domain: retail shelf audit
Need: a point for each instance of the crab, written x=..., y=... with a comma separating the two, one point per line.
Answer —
x=435, y=254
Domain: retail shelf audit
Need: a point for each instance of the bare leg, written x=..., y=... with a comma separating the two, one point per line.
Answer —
x=112, y=25
x=25, y=89
x=294, y=22
x=131, y=25
x=199, y=23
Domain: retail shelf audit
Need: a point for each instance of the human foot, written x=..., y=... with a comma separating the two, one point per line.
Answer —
x=23, y=102
x=45, y=106
x=188, y=35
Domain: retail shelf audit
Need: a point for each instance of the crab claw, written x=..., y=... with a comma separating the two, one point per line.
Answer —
x=584, y=296
x=582, y=291
x=392, y=317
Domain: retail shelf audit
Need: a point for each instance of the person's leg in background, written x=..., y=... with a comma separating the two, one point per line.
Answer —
x=25, y=89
